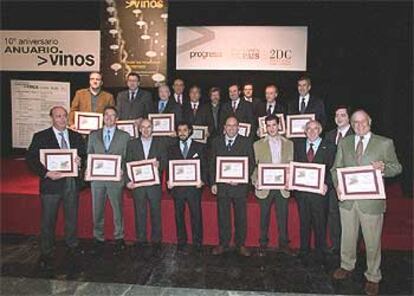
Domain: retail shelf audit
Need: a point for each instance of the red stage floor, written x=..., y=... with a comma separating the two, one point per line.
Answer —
x=20, y=213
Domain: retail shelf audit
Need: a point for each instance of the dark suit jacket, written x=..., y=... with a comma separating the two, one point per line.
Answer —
x=244, y=113
x=242, y=147
x=255, y=104
x=140, y=106
x=331, y=135
x=206, y=118
x=172, y=107
x=196, y=151
x=324, y=155
x=185, y=99
x=279, y=108
x=315, y=105
x=190, y=117
x=46, y=139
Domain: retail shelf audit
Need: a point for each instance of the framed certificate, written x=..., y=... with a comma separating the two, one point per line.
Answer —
x=128, y=126
x=362, y=182
x=200, y=133
x=296, y=125
x=60, y=160
x=184, y=172
x=162, y=123
x=308, y=177
x=244, y=129
x=143, y=173
x=85, y=122
x=103, y=167
x=232, y=169
x=272, y=176
x=262, y=125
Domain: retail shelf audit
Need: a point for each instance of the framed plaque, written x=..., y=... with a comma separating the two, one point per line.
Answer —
x=262, y=125
x=232, y=169
x=85, y=122
x=143, y=173
x=272, y=176
x=200, y=133
x=307, y=177
x=162, y=124
x=103, y=167
x=363, y=182
x=128, y=126
x=296, y=125
x=60, y=160
x=185, y=172
x=244, y=129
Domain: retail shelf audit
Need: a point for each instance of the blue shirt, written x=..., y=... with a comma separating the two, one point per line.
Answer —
x=160, y=103
x=111, y=135
x=315, y=143
x=146, y=145
x=188, y=145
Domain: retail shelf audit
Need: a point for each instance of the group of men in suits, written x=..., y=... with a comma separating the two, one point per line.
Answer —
x=339, y=147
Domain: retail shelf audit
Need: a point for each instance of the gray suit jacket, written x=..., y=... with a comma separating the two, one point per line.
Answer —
x=139, y=107
x=118, y=146
x=378, y=149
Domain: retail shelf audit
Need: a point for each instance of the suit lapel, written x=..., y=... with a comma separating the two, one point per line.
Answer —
x=100, y=138
x=283, y=152
x=114, y=140
x=53, y=140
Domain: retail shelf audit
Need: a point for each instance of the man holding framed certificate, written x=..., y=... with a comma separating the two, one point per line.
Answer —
x=229, y=192
x=183, y=171
x=108, y=141
x=273, y=149
x=54, y=187
x=363, y=149
x=147, y=147
x=312, y=206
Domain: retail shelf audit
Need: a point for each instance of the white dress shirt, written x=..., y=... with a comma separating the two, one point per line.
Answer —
x=59, y=138
x=306, y=100
x=365, y=141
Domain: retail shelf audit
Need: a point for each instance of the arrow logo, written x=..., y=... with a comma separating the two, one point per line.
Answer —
x=206, y=36
x=43, y=61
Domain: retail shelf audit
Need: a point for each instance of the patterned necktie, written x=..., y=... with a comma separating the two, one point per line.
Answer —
x=131, y=96
x=162, y=107
x=63, y=144
x=107, y=140
x=194, y=109
x=234, y=106
x=360, y=150
x=269, y=110
x=311, y=153
x=302, y=106
x=338, y=138
x=185, y=149
x=229, y=145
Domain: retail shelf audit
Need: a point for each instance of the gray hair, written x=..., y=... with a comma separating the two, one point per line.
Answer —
x=363, y=112
x=315, y=122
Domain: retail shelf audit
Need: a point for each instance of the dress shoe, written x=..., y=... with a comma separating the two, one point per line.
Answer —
x=287, y=250
x=182, y=248
x=75, y=250
x=371, y=288
x=197, y=248
x=341, y=274
x=119, y=246
x=218, y=250
x=98, y=247
x=45, y=263
x=243, y=251
x=261, y=252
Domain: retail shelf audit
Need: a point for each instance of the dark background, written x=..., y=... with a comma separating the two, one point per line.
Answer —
x=359, y=53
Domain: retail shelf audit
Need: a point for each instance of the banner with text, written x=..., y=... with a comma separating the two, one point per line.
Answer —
x=31, y=102
x=134, y=36
x=54, y=51
x=242, y=48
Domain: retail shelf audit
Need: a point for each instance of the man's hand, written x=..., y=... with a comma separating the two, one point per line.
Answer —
x=199, y=185
x=54, y=175
x=130, y=185
x=214, y=189
x=338, y=193
x=169, y=185
x=325, y=189
x=78, y=161
x=378, y=165
x=233, y=183
x=156, y=164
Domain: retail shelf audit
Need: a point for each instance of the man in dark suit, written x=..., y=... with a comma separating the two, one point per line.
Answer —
x=248, y=96
x=147, y=147
x=191, y=109
x=306, y=103
x=313, y=206
x=112, y=141
x=134, y=103
x=239, y=108
x=179, y=96
x=210, y=114
x=167, y=105
x=273, y=105
x=342, y=130
x=53, y=187
x=231, y=144
x=185, y=148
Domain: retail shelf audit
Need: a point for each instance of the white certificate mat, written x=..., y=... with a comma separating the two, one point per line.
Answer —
x=232, y=169
x=244, y=129
x=362, y=182
x=60, y=160
x=184, y=172
x=143, y=173
x=272, y=176
x=162, y=124
x=296, y=125
x=85, y=122
x=307, y=177
x=200, y=133
x=103, y=167
x=128, y=126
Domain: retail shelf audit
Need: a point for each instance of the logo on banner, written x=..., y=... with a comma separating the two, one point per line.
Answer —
x=280, y=56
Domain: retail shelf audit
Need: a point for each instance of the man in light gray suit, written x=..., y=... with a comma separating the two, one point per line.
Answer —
x=134, y=103
x=363, y=148
x=108, y=140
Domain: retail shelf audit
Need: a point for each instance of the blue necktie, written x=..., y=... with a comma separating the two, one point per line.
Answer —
x=107, y=140
x=185, y=149
x=229, y=145
x=63, y=144
x=162, y=107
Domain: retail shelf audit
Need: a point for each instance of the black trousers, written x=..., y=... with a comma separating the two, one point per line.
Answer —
x=312, y=213
x=152, y=196
x=334, y=221
x=226, y=197
x=281, y=208
x=50, y=206
x=192, y=197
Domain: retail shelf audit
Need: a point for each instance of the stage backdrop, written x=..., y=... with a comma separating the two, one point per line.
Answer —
x=134, y=37
x=242, y=48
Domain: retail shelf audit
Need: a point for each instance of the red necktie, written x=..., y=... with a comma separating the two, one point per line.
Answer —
x=310, y=154
x=234, y=106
